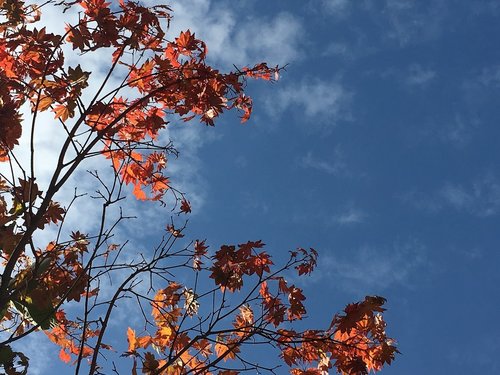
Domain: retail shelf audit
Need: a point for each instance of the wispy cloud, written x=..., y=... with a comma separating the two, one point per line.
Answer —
x=490, y=76
x=358, y=46
x=371, y=269
x=186, y=170
x=350, y=216
x=336, y=7
x=327, y=101
x=480, y=198
x=38, y=349
x=481, y=357
x=412, y=76
x=412, y=21
x=488, y=7
x=333, y=167
x=458, y=131
x=418, y=76
x=400, y=22
x=252, y=203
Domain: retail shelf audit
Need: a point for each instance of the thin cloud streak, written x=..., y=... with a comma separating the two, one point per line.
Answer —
x=350, y=216
x=334, y=167
x=371, y=269
x=479, y=198
x=419, y=76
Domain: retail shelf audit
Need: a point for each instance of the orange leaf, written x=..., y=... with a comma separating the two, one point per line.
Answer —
x=61, y=112
x=131, y=339
x=160, y=183
x=65, y=357
x=144, y=341
x=226, y=351
x=44, y=103
x=139, y=193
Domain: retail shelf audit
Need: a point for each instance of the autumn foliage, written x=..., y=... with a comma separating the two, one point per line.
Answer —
x=236, y=296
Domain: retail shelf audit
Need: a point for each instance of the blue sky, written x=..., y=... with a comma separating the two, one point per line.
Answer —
x=378, y=147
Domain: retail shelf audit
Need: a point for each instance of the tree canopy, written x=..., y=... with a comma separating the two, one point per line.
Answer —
x=202, y=309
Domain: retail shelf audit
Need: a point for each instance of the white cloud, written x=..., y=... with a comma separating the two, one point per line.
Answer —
x=418, y=76
x=252, y=203
x=413, y=76
x=338, y=49
x=333, y=167
x=371, y=269
x=421, y=201
x=411, y=21
x=85, y=214
x=407, y=21
x=38, y=349
x=337, y=7
x=350, y=216
x=224, y=40
x=186, y=170
x=313, y=98
x=488, y=7
x=456, y=196
x=489, y=76
x=239, y=38
x=480, y=198
x=358, y=46
x=456, y=129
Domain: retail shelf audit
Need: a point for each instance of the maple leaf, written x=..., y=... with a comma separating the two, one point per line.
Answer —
x=54, y=213
x=160, y=183
x=186, y=42
x=61, y=112
x=226, y=349
x=247, y=314
x=144, y=341
x=309, y=262
x=191, y=304
x=203, y=347
x=64, y=356
x=131, y=339
x=44, y=103
x=139, y=193
x=200, y=248
x=295, y=297
x=356, y=312
x=185, y=206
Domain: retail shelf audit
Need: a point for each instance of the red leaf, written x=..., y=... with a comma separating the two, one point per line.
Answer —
x=65, y=357
x=139, y=193
x=185, y=206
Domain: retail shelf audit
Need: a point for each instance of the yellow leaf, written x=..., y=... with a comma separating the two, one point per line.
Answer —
x=131, y=339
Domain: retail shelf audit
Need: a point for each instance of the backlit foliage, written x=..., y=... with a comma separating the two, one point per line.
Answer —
x=237, y=298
